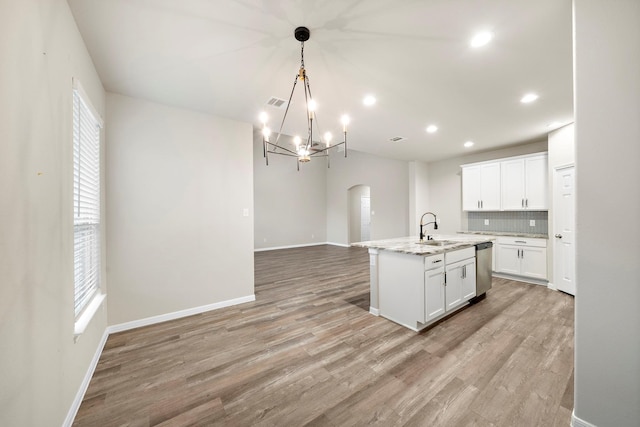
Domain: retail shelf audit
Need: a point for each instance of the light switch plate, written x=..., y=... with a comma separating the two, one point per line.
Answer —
x=532, y=223
x=486, y=222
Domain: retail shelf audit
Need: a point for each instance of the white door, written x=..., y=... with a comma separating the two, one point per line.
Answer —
x=564, y=257
x=365, y=218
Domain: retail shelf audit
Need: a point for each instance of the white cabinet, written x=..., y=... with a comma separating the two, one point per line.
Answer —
x=460, y=277
x=414, y=290
x=522, y=257
x=524, y=183
x=434, y=288
x=481, y=187
x=515, y=183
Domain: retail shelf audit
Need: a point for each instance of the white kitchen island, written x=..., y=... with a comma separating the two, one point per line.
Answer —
x=415, y=284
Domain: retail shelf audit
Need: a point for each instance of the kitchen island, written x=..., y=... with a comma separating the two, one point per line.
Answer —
x=416, y=283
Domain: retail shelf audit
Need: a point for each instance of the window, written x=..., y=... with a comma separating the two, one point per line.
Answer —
x=86, y=204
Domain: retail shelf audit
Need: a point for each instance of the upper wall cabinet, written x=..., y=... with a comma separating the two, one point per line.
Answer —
x=524, y=183
x=515, y=183
x=481, y=187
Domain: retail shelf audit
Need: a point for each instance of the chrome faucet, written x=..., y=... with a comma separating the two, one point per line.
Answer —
x=434, y=222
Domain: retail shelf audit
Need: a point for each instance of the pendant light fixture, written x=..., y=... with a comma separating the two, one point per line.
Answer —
x=302, y=150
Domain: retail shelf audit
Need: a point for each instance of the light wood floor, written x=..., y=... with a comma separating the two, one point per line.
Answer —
x=307, y=352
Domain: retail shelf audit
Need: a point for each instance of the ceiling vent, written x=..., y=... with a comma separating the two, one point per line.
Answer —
x=397, y=139
x=277, y=102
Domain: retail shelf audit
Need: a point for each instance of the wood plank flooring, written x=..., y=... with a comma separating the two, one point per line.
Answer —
x=307, y=352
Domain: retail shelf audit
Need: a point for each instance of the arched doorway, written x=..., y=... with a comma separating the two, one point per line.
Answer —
x=359, y=213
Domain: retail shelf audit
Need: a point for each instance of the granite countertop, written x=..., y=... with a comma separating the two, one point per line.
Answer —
x=411, y=245
x=506, y=233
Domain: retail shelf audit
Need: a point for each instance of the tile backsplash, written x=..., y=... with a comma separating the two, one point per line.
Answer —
x=508, y=221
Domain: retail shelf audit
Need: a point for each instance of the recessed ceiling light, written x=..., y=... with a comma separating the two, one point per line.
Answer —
x=369, y=100
x=530, y=97
x=481, y=38
x=432, y=128
x=468, y=144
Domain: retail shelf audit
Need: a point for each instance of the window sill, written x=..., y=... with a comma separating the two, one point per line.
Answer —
x=83, y=320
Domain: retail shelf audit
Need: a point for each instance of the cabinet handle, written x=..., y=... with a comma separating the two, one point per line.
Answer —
x=482, y=204
x=521, y=241
x=436, y=261
x=526, y=203
x=522, y=203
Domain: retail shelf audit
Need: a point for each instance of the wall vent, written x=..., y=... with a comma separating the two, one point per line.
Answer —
x=277, y=102
x=397, y=139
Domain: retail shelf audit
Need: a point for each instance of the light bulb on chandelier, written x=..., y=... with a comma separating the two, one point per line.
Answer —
x=310, y=148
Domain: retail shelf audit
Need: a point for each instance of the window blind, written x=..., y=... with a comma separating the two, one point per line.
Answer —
x=86, y=201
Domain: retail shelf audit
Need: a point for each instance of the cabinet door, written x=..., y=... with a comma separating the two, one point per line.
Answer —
x=433, y=294
x=453, y=288
x=469, y=279
x=490, y=187
x=513, y=184
x=536, y=181
x=534, y=262
x=508, y=260
x=471, y=189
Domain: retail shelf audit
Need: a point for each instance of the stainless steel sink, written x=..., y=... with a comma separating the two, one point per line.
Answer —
x=436, y=242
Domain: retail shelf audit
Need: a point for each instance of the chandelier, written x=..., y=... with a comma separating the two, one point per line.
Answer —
x=303, y=151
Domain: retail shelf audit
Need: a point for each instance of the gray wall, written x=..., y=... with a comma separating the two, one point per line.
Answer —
x=41, y=367
x=607, y=129
x=389, y=182
x=290, y=206
x=178, y=183
x=418, y=195
x=445, y=185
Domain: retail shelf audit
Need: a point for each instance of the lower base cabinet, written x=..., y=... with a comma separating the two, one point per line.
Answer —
x=522, y=257
x=416, y=290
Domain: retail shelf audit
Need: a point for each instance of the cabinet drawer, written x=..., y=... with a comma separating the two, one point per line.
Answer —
x=433, y=261
x=460, y=254
x=523, y=241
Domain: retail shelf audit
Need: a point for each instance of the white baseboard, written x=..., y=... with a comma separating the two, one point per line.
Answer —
x=577, y=422
x=304, y=245
x=338, y=244
x=73, y=411
x=374, y=311
x=68, y=421
x=178, y=314
x=552, y=286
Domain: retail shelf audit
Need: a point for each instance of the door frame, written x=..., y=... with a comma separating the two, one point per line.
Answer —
x=553, y=232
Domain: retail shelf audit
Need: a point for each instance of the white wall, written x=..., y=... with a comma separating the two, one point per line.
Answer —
x=445, y=183
x=562, y=152
x=607, y=129
x=290, y=205
x=41, y=368
x=389, y=183
x=418, y=194
x=177, y=185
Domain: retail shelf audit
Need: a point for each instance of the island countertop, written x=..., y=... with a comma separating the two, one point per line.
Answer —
x=411, y=245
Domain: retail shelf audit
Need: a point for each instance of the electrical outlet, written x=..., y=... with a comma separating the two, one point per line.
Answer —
x=245, y=212
x=313, y=236
x=486, y=222
x=532, y=223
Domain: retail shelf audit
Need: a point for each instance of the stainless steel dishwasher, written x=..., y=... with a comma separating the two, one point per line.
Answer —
x=483, y=267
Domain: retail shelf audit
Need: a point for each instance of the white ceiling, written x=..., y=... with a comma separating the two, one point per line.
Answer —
x=228, y=57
